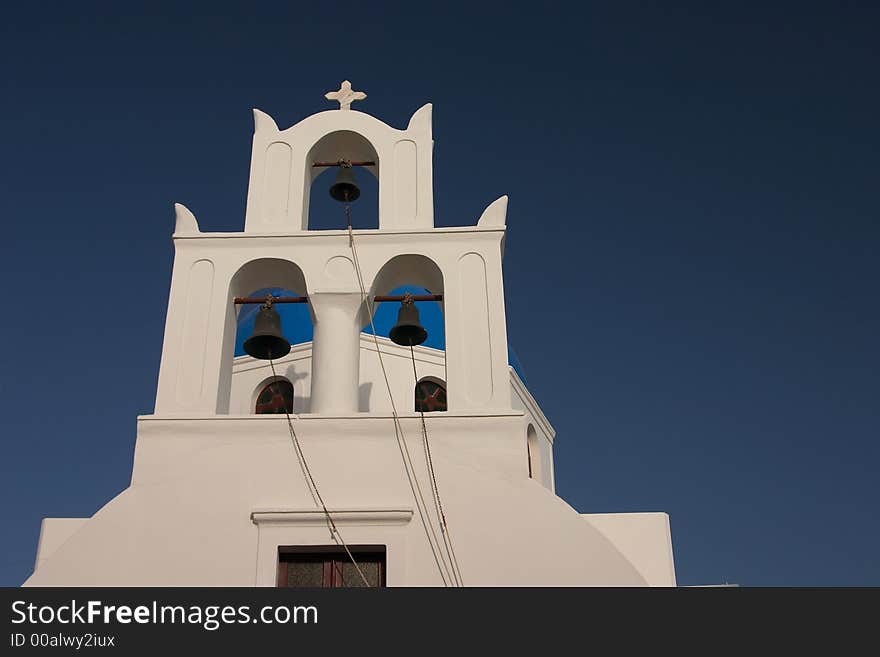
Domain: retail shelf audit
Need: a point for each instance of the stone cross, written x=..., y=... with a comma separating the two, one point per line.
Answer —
x=345, y=96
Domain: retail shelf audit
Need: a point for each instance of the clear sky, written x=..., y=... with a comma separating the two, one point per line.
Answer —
x=692, y=254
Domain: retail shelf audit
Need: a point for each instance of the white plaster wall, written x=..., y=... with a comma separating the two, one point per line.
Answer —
x=187, y=518
x=250, y=375
x=398, y=364
x=210, y=269
x=232, y=483
x=282, y=173
x=53, y=533
x=645, y=539
x=522, y=399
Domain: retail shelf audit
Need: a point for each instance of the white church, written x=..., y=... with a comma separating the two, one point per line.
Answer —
x=350, y=458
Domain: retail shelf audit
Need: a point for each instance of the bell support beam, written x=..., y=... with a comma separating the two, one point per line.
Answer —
x=382, y=298
x=244, y=300
x=344, y=163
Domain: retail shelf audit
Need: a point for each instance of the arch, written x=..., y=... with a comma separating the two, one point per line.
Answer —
x=332, y=147
x=533, y=450
x=278, y=192
x=417, y=274
x=258, y=274
x=430, y=395
x=273, y=396
x=267, y=273
x=408, y=269
x=409, y=272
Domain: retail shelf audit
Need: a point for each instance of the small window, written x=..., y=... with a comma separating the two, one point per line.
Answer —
x=276, y=397
x=534, y=454
x=430, y=396
x=330, y=567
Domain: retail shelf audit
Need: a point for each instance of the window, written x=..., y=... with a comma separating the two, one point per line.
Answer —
x=534, y=454
x=276, y=397
x=331, y=567
x=430, y=396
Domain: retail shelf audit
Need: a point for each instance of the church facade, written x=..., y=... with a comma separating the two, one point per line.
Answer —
x=352, y=460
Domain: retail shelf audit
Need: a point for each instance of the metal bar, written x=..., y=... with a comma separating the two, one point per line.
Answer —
x=336, y=164
x=304, y=299
x=240, y=300
x=415, y=297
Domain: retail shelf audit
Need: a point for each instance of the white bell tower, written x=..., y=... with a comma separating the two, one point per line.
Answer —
x=225, y=494
x=278, y=249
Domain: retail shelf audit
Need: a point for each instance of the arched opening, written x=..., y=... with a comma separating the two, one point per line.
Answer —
x=418, y=275
x=322, y=211
x=534, y=454
x=255, y=279
x=275, y=397
x=430, y=395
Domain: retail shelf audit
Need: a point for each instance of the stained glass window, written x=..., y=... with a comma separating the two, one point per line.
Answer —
x=430, y=396
x=305, y=573
x=277, y=397
x=331, y=568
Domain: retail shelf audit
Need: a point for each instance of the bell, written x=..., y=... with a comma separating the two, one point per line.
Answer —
x=408, y=331
x=345, y=188
x=267, y=341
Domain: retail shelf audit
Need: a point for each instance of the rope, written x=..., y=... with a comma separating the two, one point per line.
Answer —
x=429, y=462
x=442, y=566
x=316, y=495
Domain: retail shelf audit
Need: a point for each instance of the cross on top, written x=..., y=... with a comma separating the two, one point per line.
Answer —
x=345, y=96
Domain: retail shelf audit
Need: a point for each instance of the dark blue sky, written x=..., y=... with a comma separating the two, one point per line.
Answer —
x=691, y=269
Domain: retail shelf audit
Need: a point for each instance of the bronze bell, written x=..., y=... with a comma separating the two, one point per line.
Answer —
x=345, y=188
x=267, y=340
x=408, y=331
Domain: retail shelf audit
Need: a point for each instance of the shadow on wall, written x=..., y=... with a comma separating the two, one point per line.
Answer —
x=364, y=392
x=287, y=373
